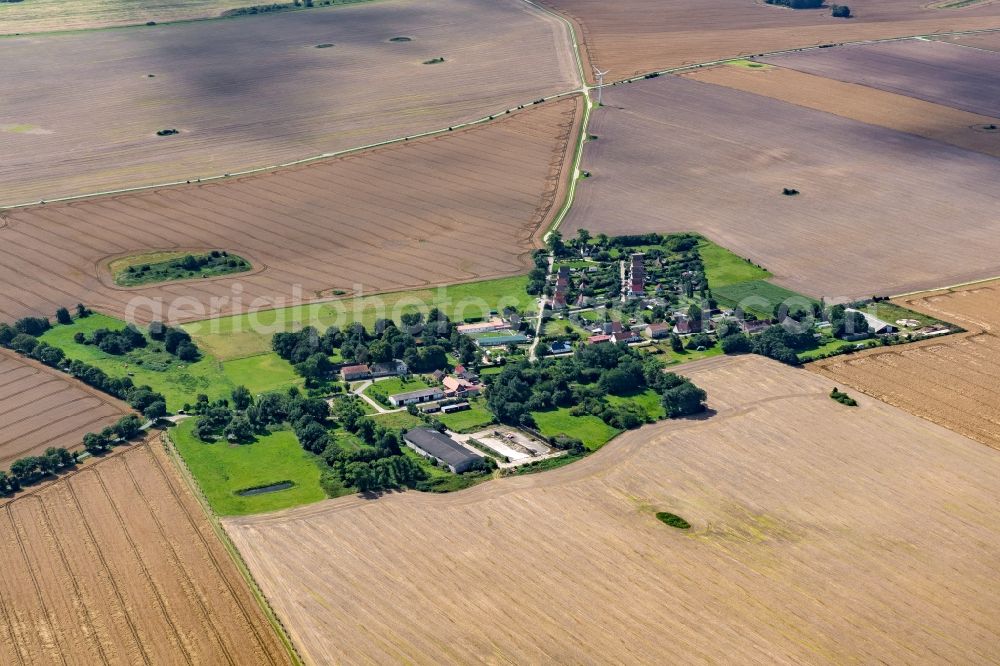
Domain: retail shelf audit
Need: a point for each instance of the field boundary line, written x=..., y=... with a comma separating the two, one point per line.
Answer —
x=157, y=24
x=306, y=160
x=950, y=287
x=237, y=558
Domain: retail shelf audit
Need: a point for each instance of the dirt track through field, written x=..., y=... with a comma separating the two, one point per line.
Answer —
x=632, y=37
x=81, y=112
x=673, y=154
x=117, y=564
x=41, y=407
x=937, y=72
x=821, y=534
x=857, y=102
x=447, y=209
x=954, y=381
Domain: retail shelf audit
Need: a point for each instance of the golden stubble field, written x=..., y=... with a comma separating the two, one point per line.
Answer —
x=81, y=110
x=117, y=564
x=41, y=407
x=955, y=380
x=859, y=102
x=451, y=208
x=821, y=534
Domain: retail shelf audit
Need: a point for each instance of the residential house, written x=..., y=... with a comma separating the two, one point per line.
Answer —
x=658, y=331
x=352, y=373
x=392, y=368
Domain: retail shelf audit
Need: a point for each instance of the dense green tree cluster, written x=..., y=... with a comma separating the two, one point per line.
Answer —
x=140, y=398
x=582, y=383
x=309, y=350
x=775, y=342
x=176, y=341
x=29, y=469
x=125, y=429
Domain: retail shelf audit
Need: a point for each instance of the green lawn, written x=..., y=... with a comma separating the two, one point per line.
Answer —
x=394, y=385
x=723, y=268
x=223, y=469
x=670, y=357
x=590, y=430
x=470, y=420
x=243, y=335
x=758, y=297
x=831, y=344
x=261, y=373
x=399, y=420
x=179, y=382
x=648, y=400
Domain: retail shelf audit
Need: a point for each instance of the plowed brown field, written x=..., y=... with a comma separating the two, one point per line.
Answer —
x=989, y=40
x=80, y=111
x=821, y=534
x=117, y=564
x=446, y=209
x=954, y=381
x=40, y=407
x=937, y=72
x=632, y=37
x=674, y=154
x=48, y=15
x=859, y=102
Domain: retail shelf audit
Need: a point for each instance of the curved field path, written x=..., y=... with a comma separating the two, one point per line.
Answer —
x=81, y=112
x=821, y=534
x=440, y=210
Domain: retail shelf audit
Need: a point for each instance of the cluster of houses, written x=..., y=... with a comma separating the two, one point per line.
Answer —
x=363, y=371
x=634, y=277
x=460, y=385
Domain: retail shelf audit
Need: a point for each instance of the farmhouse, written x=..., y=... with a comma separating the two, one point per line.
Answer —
x=448, y=452
x=598, y=339
x=352, y=373
x=560, y=347
x=457, y=386
x=415, y=397
x=658, y=331
x=752, y=326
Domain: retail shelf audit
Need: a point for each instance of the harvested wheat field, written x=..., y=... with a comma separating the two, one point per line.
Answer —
x=40, y=407
x=938, y=72
x=820, y=534
x=986, y=40
x=954, y=381
x=674, y=154
x=81, y=111
x=117, y=564
x=858, y=102
x=48, y=15
x=633, y=37
x=446, y=209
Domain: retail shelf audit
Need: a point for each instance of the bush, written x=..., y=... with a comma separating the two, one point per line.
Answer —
x=843, y=398
x=63, y=316
x=840, y=11
x=673, y=520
